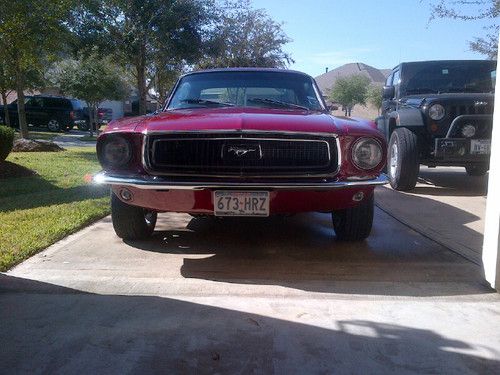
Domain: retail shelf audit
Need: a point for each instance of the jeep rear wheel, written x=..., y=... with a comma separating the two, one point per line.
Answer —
x=131, y=222
x=355, y=223
x=402, y=159
x=476, y=170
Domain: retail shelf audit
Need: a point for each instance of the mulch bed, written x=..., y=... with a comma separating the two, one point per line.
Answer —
x=30, y=145
x=10, y=170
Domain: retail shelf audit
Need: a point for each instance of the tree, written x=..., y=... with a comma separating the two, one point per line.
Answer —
x=31, y=33
x=349, y=91
x=374, y=96
x=7, y=84
x=473, y=10
x=146, y=35
x=165, y=75
x=93, y=79
x=247, y=37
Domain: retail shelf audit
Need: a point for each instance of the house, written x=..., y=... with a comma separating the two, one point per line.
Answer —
x=377, y=76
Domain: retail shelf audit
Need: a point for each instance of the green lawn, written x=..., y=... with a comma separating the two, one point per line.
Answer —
x=37, y=211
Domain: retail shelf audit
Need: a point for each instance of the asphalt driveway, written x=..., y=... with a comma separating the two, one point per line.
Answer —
x=242, y=296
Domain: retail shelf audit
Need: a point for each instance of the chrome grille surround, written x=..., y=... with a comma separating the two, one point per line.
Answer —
x=326, y=144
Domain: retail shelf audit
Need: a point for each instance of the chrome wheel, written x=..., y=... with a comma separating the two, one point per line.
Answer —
x=393, y=162
x=53, y=125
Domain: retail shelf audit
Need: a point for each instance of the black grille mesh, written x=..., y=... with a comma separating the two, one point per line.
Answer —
x=217, y=155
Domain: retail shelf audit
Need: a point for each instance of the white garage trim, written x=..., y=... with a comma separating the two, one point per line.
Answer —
x=491, y=245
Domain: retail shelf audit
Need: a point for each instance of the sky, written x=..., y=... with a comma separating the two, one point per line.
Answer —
x=380, y=33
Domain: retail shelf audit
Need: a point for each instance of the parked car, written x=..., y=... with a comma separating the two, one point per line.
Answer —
x=53, y=112
x=437, y=113
x=242, y=142
x=104, y=116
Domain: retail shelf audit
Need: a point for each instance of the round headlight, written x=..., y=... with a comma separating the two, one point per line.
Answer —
x=436, y=112
x=468, y=131
x=367, y=153
x=116, y=151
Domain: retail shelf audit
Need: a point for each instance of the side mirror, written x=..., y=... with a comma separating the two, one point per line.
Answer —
x=388, y=92
x=331, y=107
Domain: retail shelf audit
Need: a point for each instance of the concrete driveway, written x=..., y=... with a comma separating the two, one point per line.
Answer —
x=241, y=296
x=447, y=205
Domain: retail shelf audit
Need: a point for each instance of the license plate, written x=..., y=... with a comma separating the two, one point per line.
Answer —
x=241, y=203
x=480, y=146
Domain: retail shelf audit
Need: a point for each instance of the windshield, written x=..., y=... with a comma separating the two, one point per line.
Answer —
x=448, y=77
x=246, y=89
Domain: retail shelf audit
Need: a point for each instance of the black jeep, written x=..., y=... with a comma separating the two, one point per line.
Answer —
x=437, y=113
x=54, y=112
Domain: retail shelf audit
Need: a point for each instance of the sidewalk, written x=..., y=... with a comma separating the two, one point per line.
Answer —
x=72, y=139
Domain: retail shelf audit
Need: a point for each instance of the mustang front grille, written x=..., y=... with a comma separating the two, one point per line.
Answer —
x=240, y=154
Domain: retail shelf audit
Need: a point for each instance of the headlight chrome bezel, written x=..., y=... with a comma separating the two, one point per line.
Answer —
x=355, y=157
x=437, y=112
x=121, y=146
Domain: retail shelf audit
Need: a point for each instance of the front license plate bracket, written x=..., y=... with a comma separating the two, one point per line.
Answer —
x=241, y=203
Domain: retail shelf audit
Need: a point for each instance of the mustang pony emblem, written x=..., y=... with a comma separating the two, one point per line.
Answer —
x=240, y=150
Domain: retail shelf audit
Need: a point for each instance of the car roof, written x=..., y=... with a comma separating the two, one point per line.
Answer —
x=54, y=97
x=249, y=69
x=442, y=61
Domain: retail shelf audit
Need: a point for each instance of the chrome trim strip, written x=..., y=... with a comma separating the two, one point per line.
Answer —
x=237, y=139
x=155, y=183
x=238, y=132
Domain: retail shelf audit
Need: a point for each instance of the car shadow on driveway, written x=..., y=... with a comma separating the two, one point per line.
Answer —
x=450, y=182
x=302, y=252
x=50, y=329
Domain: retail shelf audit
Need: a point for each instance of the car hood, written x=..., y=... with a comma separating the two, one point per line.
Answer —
x=418, y=100
x=228, y=119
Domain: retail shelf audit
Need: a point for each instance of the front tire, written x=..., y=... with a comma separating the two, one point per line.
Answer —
x=84, y=126
x=476, y=170
x=354, y=224
x=402, y=160
x=131, y=222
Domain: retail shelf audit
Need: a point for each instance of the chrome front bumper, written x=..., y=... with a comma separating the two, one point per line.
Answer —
x=161, y=183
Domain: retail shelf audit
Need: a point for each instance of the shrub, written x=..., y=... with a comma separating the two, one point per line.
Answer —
x=6, y=141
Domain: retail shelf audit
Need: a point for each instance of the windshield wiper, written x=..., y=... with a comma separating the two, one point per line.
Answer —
x=207, y=102
x=277, y=103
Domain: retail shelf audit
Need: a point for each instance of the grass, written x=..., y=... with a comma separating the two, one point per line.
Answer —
x=39, y=210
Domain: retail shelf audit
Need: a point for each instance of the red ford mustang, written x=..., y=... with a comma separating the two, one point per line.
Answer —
x=242, y=142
